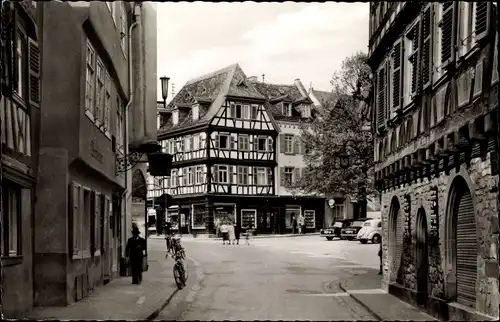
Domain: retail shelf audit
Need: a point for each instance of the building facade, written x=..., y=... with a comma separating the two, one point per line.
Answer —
x=290, y=105
x=20, y=86
x=84, y=193
x=225, y=141
x=436, y=95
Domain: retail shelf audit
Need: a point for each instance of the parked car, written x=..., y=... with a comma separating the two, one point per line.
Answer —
x=335, y=229
x=371, y=231
x=351, y=232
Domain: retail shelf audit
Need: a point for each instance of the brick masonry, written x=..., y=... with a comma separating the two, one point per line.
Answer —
x=440, y=275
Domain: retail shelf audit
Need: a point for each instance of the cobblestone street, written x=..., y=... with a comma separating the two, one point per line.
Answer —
x=283, y=279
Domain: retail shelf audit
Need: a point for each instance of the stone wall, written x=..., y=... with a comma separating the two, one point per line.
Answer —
x=440, y=274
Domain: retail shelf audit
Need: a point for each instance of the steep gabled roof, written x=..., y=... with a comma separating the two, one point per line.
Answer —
x=323, y=96
x=277, y=93
x=209, y=91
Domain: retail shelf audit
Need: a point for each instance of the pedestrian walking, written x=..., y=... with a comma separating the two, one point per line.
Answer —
x=237, y=233
x=294, y=224
x=299, y=224
x=134, y=252
x=232, y=237
x=380, y=255
x=224, y=229
x=248, y=234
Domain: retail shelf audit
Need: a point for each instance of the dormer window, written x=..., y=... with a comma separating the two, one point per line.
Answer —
x=196, y=112
x=306, y=113
x=175, y=117
x=287, y=109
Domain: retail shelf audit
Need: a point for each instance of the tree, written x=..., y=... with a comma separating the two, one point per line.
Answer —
x=341, y=127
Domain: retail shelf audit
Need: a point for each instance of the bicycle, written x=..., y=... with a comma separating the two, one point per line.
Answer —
x=180, y=271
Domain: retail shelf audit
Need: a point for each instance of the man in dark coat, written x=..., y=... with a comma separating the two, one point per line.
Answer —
x=135, y=253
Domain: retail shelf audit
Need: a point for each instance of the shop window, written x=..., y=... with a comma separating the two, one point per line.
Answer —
x=199, y=217
x=310, y=218
x=248, y=218
x=289, y=215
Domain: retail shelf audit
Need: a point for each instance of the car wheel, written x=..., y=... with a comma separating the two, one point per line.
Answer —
x=329, y=238
x=376, y=239
x=363, y=241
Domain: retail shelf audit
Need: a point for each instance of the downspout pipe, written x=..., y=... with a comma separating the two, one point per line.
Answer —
x=131, y=98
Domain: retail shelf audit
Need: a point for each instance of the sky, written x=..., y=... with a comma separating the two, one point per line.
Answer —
x=284, y=41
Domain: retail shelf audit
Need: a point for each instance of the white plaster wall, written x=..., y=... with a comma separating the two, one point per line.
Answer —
x=286, y=160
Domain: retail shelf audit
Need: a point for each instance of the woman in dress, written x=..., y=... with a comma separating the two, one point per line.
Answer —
x=232, y=237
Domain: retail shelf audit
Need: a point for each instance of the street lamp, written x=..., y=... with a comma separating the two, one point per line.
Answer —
x=164, y=89
x=343, y=157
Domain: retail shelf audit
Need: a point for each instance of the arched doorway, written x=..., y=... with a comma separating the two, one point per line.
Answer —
x=396, y=227
x=422, y=257
x=139, y=195
x=462, y=241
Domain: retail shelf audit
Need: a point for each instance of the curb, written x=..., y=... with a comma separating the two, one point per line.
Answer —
x=378, y=317
x=156, y=312
x=199, y=277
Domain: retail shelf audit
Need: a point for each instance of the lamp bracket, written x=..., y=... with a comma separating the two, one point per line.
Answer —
x=129, y=161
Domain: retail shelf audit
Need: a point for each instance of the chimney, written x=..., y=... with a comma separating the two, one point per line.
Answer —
x=301, y=87
x=253, y=79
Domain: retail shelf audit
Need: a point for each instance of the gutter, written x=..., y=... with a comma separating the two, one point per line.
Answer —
x=131, y=98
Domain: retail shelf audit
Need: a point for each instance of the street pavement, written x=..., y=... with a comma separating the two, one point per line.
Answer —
x=306, y=278
x=300, y=278
x=120, y=299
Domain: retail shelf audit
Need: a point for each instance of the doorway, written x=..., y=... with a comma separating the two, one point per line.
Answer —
x=422, y=258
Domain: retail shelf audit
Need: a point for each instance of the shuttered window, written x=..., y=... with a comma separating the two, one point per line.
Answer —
x=426, y=47
x=446, y=26
x=34, y=73
x=396, y=79
x=481, y=19
x=414, y=57
x=381, y=96
x=494, y=76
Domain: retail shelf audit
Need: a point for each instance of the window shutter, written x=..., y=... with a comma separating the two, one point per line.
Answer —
x=282, y=176
x=282, y=143
x=230, y=173
x=97, y=222
x=296, y=175
x=296, y=145
x=233, y=143
x=396, y=76
x=217, y=141
x=426, y=49
x=75, y=216
x=270, y=176
x=13, y=38
x=215, y=174
x=482, y=18
x=494, y=75
x=381, y=97
x=34, y=72
x=446, y=26
x=415, y=58
x=269, y=144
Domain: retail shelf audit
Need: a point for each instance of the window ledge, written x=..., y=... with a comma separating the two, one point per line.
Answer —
x=12, y=260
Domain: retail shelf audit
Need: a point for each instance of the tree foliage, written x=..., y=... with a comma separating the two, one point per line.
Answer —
x=341, y=127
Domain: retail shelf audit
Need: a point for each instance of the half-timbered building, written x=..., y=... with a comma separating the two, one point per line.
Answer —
x=20, y=123
x=436, y=82
x=290, y=104
x=223, y=141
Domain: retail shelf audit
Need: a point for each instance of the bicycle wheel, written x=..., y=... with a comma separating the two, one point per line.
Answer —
x=179, y=275
x=182, y=253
